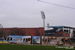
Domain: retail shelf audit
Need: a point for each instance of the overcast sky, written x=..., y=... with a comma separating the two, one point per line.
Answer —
x=26, y=13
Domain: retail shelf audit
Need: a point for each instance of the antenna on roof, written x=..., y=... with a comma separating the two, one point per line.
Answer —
x=48, y=26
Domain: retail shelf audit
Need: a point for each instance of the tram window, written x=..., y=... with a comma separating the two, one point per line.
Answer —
x=7, y=39
x=24, y=39
x=62, y=40
x=66, y=41
x=48, y=40
x=4, y=38
x=28, y=39
x=45, y=40
x=10, y=39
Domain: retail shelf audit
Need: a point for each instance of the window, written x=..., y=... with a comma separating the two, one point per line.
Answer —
x=49, y=40
x=73, y=33
x=26, y=29
x=37, y=29
x=28, y=39
x=33, y=29
x=69, y=31
x=52, y=33
x=10, y=39
x=62, y=40
x=24, y=39
x=66, y=27
x=61, y=30
x=22, y=29
x=45, y=40
x=66, y=31
x=45, y=33
x=49, y=33
x=7, y=39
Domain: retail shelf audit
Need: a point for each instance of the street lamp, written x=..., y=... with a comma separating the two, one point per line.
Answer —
x=43, y=17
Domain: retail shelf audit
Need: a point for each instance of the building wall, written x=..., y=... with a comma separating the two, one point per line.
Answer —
x=65, y=34
x=61, y=34
x=58, y=33
x=24, y=31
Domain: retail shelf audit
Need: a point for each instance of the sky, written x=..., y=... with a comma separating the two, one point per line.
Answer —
x=26, y=13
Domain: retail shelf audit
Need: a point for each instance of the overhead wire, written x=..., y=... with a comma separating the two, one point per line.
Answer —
x=55, y=4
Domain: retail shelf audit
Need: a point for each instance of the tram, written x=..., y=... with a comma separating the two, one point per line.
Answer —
x=38, y=39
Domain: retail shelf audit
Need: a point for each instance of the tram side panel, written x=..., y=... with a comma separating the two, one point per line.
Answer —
x=55, y=40
x=36, y=40
x=49, y=40
x=19, y=39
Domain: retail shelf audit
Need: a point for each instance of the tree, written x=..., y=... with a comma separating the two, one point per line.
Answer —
x=1, y=32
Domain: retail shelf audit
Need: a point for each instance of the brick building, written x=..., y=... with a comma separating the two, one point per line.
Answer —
x=22, y=31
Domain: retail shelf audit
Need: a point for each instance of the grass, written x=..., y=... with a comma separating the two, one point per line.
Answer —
x=29, y=47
